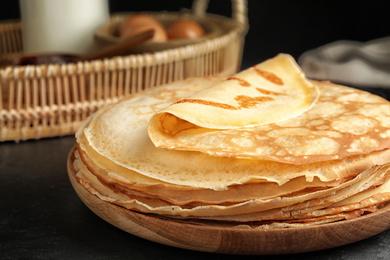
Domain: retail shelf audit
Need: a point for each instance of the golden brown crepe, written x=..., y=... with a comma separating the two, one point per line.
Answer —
x=343, y=121
x=266, y=146
x=249, y=210
x=269, y=92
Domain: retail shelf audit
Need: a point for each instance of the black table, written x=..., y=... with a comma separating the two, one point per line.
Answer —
x=41, y=216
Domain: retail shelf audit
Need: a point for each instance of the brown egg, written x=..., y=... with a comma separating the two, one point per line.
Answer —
x=185, y=29
x=139, y=23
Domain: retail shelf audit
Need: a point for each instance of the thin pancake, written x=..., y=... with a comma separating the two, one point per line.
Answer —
x=343, y=122
x=250, y=210
x=125, y=126
x=181, y=195
x=325, y=158
x=272, y=91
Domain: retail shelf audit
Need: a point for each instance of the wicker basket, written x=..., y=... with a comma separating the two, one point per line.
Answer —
x=53, y=100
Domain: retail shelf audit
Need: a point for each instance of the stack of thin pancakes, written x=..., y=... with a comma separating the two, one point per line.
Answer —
x=264, y=148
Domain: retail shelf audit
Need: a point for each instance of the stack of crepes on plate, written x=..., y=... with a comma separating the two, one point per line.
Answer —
x=264, y=148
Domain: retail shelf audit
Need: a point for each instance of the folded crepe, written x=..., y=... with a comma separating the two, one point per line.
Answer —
x=278, y=122
x=265, y=146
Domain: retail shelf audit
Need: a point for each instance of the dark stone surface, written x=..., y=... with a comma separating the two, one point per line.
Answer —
x=41, y=216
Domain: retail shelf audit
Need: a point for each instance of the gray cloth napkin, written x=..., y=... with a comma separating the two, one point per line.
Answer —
x=361, y=64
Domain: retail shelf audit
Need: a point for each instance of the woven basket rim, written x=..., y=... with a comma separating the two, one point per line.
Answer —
x=233, y=28
x=40, y=101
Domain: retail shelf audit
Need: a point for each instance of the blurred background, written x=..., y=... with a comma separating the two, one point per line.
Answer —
x=277, y=26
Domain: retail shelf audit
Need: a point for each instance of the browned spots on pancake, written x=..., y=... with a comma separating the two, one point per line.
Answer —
x=248, y=102
x=268, y=92
x=207, y=103
x=269, y=76
x=243, y=101
x=242, y=82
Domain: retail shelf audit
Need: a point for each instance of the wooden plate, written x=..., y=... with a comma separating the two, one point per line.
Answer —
x=233, y=240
